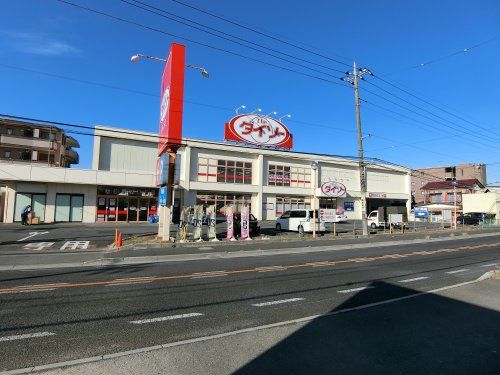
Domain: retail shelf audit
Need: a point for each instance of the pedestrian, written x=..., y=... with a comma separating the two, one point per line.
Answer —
x=24, y=214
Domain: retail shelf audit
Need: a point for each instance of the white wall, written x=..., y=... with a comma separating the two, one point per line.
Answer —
x=127, y=155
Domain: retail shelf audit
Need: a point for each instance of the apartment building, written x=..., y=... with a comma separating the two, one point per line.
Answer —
x=448, y=191
x=36, y=143
x=467, y=171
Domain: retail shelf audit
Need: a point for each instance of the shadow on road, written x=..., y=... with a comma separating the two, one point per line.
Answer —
x=429, y=334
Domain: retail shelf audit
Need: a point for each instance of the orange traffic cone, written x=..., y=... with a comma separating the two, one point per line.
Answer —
x=119, y=240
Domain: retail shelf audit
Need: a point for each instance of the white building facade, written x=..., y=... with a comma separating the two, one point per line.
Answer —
x=121, y=184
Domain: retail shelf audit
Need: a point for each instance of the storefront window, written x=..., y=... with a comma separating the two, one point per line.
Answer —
x=228, y=171
x=222, y=200
x=116, y=203
x=287, y=203
x=282, y=175
x=37, y=202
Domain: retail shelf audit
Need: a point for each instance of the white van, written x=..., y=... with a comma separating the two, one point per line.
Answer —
x=299, y=221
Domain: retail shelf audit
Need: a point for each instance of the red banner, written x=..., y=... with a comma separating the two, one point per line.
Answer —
x=172, y=99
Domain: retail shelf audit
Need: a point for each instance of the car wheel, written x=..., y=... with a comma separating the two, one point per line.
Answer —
x=301, y=230
x=278, y=227
x=373, y=226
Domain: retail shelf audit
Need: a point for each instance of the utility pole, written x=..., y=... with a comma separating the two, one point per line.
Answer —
x=353, y=78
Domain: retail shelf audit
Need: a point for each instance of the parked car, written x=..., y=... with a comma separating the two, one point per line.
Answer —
x=254, y=225
x=473, y=218
x=300, y=220
x=341, y=218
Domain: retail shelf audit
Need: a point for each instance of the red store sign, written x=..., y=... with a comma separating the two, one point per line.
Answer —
x=258, y=130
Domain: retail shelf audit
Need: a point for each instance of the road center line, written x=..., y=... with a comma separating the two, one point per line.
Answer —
x=165, y=318
x=457, y=271
x=270, y=303
x=355, y=289
x=414, y=279
x=26, y=336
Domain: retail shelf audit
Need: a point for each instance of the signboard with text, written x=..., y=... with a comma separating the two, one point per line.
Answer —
x=332, y=189
x=421, y=212
x=172, y=98
x=377, y=195
x=349, y=206
x=327, y=215
x=162, y=169
x=162, y=197
x=258, y=130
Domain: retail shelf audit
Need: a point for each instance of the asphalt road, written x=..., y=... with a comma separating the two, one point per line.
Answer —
x=61, y=315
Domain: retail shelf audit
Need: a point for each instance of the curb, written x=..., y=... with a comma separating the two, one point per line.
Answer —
x=128, y=261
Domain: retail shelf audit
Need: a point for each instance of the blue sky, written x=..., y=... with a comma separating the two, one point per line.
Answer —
x=385, y=36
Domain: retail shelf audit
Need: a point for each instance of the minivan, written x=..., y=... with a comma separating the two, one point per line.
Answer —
x=300, y=220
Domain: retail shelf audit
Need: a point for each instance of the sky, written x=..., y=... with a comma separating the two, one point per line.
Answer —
x=65, y=64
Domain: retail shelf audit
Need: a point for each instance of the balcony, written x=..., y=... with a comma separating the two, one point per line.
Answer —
x=26, y=142
x=73, y=157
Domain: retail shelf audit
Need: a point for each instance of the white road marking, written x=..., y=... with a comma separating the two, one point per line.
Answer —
x=414, y=279
x=32, y=234
x=205, y=248
x=131, y=283
x=73, y=245
x=38, y=245
x=28, y=291
x=164, y=318
x=270, y=268
x=355, y=289
x=26, y=336
x=28, y=370
x=490, y=265
x=270, y=303
x=457, y=271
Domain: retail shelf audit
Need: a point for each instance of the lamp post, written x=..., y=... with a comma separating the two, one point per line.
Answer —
x=314, y=167
x=139, y=56
x=454, y=225
x=166, y=212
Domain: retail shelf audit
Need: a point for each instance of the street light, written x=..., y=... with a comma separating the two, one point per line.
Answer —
x=314, y=167
x=282, y=117
x=240, y=107
x=139, y=56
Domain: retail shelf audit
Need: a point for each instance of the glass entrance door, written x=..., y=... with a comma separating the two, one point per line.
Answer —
x=133, y=208
x=143, y=209
x=122, y=209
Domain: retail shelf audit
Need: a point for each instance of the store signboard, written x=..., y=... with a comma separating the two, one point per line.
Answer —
x=421, y=212
x=172, y=99
x=349, y=206
x=162, y=170
x=332, y=189
x=328, y=215
x=258, y=130
x=377, y=195
x=162, y=197
x=245, y=219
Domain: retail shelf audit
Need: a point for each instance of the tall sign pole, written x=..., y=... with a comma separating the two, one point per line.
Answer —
x=353, y=78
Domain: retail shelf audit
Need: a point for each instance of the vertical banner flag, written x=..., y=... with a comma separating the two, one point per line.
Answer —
x=172, y=98
x=245, y=218
x=183, y=222
x=211, y=222
x=198, y=221
x=230, y=224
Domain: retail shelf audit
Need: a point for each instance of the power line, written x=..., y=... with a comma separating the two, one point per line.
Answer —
x=444, y=57
x=259, y=32
x=471, y=133
x=417, y=121
x=422, y=109
x=170, y=16
x=124, y=20
x=432, y=104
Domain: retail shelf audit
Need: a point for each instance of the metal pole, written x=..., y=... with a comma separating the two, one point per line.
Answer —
x=362, y=171
x=313, y=205
x=454, y=206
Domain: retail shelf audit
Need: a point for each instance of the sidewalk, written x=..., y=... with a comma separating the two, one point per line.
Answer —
x=166, y=252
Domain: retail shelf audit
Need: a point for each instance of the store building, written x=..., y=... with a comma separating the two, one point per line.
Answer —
x=121, y=184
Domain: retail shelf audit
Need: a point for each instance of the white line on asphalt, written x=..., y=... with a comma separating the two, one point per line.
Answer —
x=208, y=276
x=164, y=318
x=28, y=291
x=355, y=289
x=305, y=319
x=458, y=271
x=26, y=336
x=270, y=268
x=270, y=303
x=32, y=234
x=414, y=279
x=490, y=265
x=205, y=248
x=131, y=283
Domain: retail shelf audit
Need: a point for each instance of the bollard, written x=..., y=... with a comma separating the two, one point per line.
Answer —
x=119, y=241
x=116, y=235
